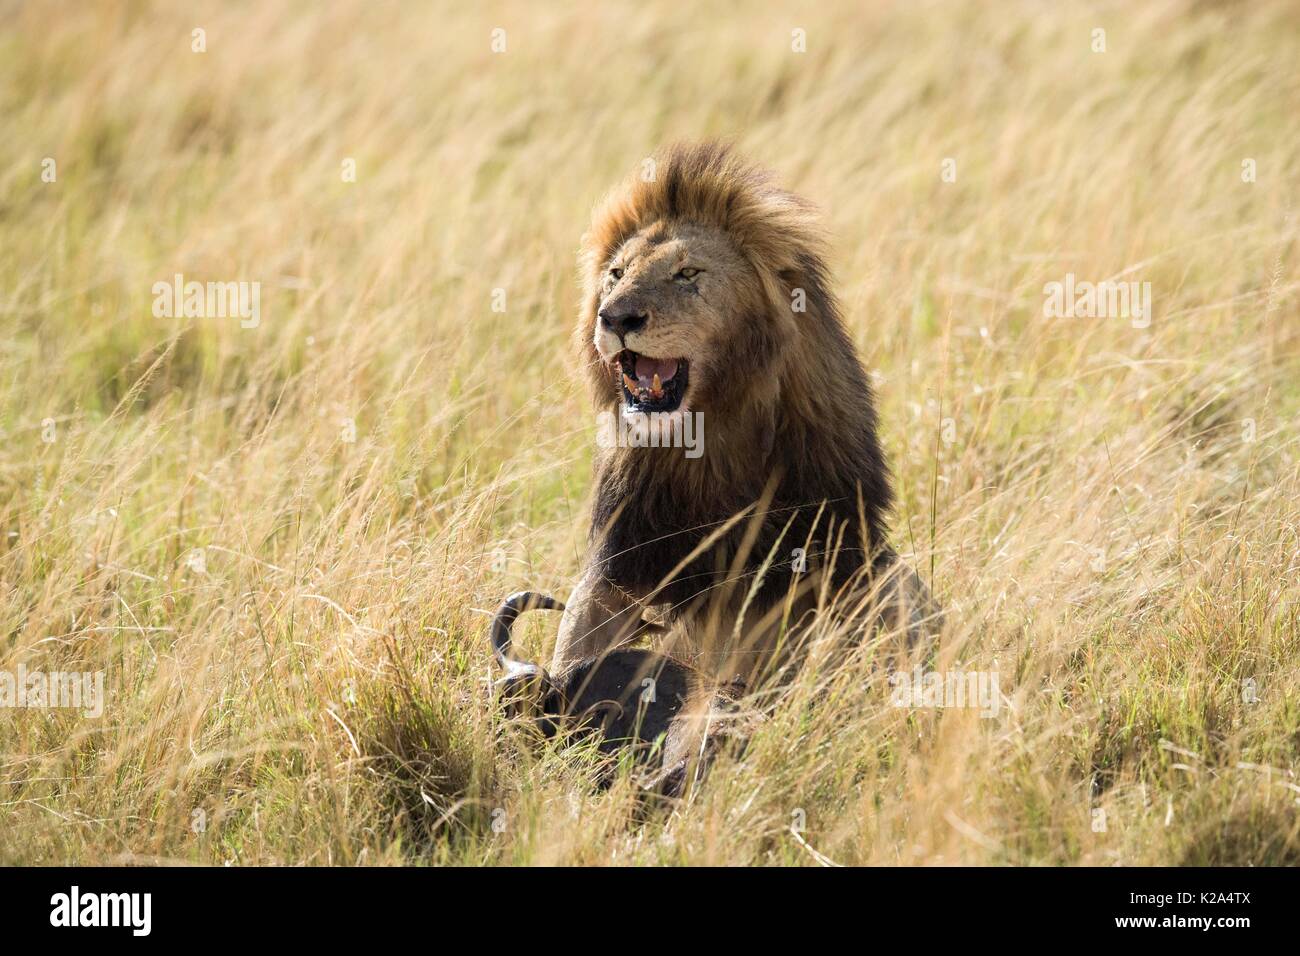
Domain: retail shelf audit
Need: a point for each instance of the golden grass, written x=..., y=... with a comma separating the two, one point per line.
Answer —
x=1113, y=524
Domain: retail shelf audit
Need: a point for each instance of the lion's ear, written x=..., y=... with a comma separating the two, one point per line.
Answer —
x=796, y=289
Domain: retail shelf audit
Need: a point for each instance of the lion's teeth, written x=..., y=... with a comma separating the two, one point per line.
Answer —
x=655, y=387
x=631, y=385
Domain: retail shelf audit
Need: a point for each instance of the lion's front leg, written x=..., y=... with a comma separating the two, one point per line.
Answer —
x=597, y=617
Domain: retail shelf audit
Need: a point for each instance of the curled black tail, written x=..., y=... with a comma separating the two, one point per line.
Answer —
x=510, y=609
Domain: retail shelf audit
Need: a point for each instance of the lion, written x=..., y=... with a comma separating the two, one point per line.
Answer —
x=706, y=294
x=707, y=311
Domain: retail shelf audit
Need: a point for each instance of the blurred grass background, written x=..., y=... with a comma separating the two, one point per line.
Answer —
x=291, y=624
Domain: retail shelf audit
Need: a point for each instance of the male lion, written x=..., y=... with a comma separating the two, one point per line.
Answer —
x=707, y=295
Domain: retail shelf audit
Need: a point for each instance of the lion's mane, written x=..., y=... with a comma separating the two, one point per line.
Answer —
x=794, y=438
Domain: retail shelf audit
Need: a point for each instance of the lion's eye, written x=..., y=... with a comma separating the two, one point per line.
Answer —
x=686, y=274
x=616, y=273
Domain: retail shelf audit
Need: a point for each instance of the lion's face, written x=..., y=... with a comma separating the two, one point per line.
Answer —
x=669, y=304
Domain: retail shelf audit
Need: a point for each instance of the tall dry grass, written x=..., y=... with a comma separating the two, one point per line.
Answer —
x=291, y=625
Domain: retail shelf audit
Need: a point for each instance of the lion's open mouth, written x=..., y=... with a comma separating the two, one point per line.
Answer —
x=651, y=384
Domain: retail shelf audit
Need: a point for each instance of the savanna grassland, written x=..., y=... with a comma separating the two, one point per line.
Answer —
x=279, y=543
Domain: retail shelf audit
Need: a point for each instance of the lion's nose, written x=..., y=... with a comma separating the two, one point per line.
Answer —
x=623, y=322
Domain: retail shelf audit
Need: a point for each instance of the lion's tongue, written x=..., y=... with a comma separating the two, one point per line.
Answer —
x=648, y=368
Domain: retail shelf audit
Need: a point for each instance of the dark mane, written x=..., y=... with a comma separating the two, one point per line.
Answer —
x=809, y=460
